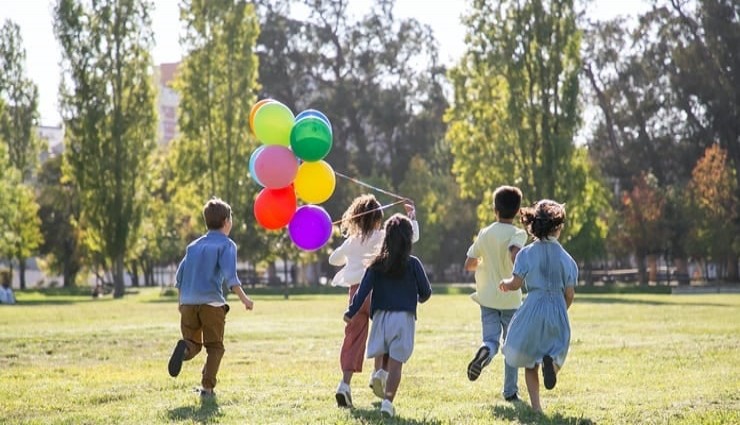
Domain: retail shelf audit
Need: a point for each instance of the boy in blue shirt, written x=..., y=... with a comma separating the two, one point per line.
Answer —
x=209, y=262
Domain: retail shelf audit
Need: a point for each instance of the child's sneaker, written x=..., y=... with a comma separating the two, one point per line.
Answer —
x=175, y=364
x=377, y=383
x=480, y=361
x=548, y=372
x=386, y=409
x=344, y=395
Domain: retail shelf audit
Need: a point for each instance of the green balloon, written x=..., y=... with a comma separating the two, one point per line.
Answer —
x=272, y=124
x=310, y=139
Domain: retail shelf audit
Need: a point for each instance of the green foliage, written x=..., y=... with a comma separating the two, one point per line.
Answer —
x=107, y=102
x=216, y=82
x=59, y=203
x=281, y=364
x=19, y=94
x=516, y=112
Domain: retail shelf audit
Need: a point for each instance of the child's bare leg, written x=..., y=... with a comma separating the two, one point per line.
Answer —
x=394, y=378
x=533, y=387
x=347, y=376
x=381, y=362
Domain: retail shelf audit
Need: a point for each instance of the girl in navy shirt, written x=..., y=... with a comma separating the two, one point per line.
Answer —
x=398, y=282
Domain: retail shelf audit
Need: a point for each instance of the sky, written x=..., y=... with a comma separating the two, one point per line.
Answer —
x=43, y=51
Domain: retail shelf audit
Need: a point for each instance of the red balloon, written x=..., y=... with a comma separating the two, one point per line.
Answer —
x=274, y=208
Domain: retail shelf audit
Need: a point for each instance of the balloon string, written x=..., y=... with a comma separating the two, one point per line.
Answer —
x=354, y=180
x=370, y=211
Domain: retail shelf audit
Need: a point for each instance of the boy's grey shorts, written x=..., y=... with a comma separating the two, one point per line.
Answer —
x=392, y=333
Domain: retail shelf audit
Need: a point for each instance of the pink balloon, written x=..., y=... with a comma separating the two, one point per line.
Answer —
x=276, y=166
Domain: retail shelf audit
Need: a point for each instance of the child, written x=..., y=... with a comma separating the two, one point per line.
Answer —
x=397, y=281
x=492, y=257
x=209, y=262
x=6, y=294
x=361, y=225
x=540, y=330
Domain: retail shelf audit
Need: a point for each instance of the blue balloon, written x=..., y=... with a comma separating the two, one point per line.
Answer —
x=314, y=113
x=252, y=160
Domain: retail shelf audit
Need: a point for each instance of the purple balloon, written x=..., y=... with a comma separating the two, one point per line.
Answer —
x=310, y=227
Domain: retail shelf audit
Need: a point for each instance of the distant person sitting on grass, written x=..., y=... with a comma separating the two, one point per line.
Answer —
x=6, y=294
x=209, y=262
x=539, y=332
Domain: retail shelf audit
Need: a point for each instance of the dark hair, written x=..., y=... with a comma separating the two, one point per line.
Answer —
x=544, y=218
x=394, y=253
x=361, y=217
x=215, y=213
x=507, y=200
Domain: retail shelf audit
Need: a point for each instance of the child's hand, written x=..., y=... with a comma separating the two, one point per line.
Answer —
x=346, y=318
x=248, y=303
x=410, y=209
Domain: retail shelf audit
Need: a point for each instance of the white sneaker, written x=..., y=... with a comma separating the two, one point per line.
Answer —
x=344, y=395
x=377, y=383
x=386, y=408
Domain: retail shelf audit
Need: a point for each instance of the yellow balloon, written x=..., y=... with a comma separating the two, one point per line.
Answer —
x=315, y=182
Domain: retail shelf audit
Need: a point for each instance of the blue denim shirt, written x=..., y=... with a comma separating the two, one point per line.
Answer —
x=209, y=261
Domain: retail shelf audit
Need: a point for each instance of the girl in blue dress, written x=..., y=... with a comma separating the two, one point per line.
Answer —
x=539, y=332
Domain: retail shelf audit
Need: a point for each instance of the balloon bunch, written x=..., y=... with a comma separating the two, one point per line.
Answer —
x=290, y=166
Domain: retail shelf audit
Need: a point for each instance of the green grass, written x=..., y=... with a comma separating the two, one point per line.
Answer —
x=634, y=359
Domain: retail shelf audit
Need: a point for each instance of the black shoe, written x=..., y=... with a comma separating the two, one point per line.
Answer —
x=178, y=355
x=548, y=372
x=512, y=398
x=478, y=363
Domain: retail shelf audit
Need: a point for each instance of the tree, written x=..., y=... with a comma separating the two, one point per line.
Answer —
x=377, y=78
x=714, y=194
x=640, y=226
x=216, y=82
x=20, y=96
x=107, y=102
x=25, y=235
x=515, y=109
x=59, y=210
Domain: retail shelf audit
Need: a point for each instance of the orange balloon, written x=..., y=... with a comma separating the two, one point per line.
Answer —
x=253, y=112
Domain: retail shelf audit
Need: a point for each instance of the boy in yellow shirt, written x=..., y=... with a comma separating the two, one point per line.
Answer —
x=492, y=258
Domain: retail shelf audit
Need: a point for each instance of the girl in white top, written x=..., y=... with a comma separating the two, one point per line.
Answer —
x=361, y=225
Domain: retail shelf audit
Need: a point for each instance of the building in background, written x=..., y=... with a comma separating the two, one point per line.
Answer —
x=167, y=102
x=54, y=139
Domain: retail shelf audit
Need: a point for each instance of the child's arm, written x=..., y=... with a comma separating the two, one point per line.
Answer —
x=365, y=287
x=511, y=284
x=338, y=257
x=471, y=264
x=248, y=303
x=513, y=251
x=570, y=294
x=424, y=288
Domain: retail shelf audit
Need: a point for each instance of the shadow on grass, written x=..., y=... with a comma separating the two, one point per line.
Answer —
x=523, y=414
x=207, y=412
x=373, y=416
x=620, y=300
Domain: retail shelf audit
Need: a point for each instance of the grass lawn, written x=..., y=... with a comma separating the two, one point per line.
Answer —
x=634, y=359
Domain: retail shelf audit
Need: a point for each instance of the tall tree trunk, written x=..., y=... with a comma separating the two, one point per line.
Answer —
x=22, y=272
x=652, y=263
x=119, y=289
x=732, y=272
x=642, y=275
